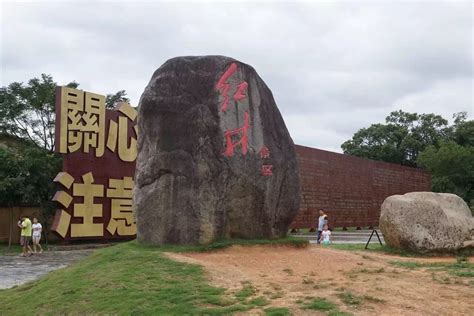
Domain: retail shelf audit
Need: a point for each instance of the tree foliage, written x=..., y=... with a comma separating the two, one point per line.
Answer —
x=464, y=133
x=27, y=116
x=423, y=140
x=28, y=111
x=401, y=139
x=26, y=175
x=112, y=99
x=452, y=168
x=378, y=142
x=12, y=178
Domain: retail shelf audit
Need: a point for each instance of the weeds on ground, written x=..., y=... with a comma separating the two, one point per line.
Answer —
x=377, y=248
x=321, y=304
x=288, y=271
x=247, y=291
x=338, y=313
x=258, y=301
x=373, y=299
x=277, y=311
x=461, y=272
x=319, y=286
x=368, y=270
x=307, y=280
x=349, y=299
x=276, y=295
x=460, y=268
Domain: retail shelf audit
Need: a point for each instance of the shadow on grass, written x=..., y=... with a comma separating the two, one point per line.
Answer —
x=226, y=243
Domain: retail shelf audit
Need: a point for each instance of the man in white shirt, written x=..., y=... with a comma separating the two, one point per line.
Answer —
x=37, y=228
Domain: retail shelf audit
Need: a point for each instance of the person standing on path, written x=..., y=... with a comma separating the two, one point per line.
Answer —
x=37, y=229
x=25, y=237
x=323, y=220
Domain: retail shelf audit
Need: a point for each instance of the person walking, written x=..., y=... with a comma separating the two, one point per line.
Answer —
x=25, y=236
x=37, y=229
x=323, y=220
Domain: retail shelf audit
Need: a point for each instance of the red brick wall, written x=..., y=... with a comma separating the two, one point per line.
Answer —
x=350, y=189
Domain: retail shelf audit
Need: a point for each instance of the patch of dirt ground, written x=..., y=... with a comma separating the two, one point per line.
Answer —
x=288, y=277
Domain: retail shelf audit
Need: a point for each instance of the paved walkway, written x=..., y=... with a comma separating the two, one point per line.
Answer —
x=346, y=237
x=16, y=270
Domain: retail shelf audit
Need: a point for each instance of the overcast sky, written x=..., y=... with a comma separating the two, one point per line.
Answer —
x=333, y=67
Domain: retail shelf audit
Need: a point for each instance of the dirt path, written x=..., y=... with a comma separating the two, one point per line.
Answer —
x=288, y=276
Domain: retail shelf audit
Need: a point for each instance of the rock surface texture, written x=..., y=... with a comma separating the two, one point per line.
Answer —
x=427, y=222
x=215, y=159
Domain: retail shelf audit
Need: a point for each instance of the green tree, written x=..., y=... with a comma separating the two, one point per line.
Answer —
x=452, y=168
x=42, y=166
x=378, y=142
x=12, y=180
x=427, y=141
x=112, y=99
x=28, y=111
x=26, y=175
x=401, y=139
x=464, y=133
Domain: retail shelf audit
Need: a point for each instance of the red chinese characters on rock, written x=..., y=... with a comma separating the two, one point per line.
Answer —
x=223, y=87
x=267, y=170
x=264, y=152
x=239, y=94
x=243, y=142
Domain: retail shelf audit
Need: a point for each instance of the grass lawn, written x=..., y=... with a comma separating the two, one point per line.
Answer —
x=376, y=247
x=14, y=249
x=323, y=305
x=133, y=279
x=460, y=268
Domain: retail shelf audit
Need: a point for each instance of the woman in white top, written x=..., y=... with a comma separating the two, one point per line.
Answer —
x=37, y=228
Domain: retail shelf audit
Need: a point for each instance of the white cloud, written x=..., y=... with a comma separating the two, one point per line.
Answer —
x=333, y=67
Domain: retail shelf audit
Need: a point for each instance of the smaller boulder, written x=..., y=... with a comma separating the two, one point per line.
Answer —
x=427, y=222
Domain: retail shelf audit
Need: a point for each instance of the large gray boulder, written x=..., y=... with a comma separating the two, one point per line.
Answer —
x=215, y=159
x=427, y=222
